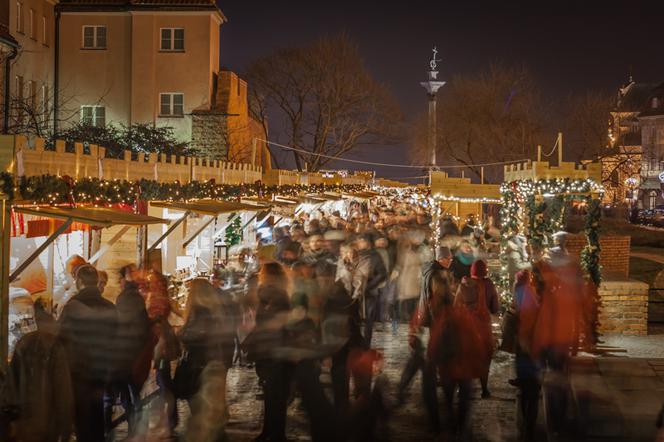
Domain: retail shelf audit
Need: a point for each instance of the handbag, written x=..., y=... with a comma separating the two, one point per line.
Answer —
x=509, y=327
x=185, y=381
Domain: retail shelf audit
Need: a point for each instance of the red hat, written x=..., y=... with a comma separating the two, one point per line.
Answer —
x=478, y=270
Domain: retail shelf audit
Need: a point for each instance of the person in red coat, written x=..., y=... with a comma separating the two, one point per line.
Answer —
x=478, y=299
x=454, y=345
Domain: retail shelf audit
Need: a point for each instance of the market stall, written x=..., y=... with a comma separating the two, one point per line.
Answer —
x=195, y=240
x=39, y=252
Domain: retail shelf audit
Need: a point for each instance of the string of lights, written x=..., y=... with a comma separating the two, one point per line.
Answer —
x=371, y=163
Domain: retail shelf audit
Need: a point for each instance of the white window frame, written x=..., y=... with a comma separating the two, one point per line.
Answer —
x=652, y=199
x=20, y=22
x=44, y=103
x=32, y=95
x=33, y=31
x=94, y=116
x=171, y=100
x=171, y=46
x=44, y=39
x=95, y=37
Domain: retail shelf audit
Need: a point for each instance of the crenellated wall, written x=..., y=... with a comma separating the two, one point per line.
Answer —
x=33, y=159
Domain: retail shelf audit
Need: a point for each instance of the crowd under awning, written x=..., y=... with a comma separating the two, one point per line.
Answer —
x=101, y=217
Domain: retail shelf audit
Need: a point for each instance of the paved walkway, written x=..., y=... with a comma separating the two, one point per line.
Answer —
x=492, y=419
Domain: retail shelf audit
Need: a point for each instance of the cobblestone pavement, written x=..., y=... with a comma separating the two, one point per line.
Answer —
x=492, y=419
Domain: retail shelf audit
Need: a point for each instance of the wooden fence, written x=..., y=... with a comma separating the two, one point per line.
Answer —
x=29, y=159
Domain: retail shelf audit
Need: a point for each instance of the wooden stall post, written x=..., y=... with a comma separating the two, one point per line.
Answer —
x=5, y=232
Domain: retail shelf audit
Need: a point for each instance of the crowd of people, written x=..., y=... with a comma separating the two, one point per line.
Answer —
x=307, y=301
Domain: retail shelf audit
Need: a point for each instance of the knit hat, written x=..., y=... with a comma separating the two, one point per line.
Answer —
x=478, y=269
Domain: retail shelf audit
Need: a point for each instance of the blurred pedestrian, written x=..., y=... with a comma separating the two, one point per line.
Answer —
x=201, y=375
x=274, y=373
x=478, y=295
x=133, y=351
x=88, y=327
x=369, y=276
x=42, y=384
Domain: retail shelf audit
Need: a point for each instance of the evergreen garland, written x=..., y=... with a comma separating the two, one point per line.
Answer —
x=545, y=216
x=590, y=253
x=51, y=189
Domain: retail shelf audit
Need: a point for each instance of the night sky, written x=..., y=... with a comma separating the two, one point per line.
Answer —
x=570, y=47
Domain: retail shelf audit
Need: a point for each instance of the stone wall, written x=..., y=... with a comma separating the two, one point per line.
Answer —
x=624, y=307
x=208, y=135
x=614, y=257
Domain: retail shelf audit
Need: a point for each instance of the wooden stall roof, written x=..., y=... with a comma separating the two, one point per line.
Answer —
x=206, y=206
x=362, y=195
x=94, y=216
x=322, y=197
x=269, y=203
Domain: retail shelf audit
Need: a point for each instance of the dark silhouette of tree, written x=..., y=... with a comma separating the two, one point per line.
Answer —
x=322, y=100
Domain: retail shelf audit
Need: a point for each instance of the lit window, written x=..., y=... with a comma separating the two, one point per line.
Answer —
x=172, y=39
x=171, y=105
x=93, y=116
x=94, y=37
x=19, y=17
x=655, y=103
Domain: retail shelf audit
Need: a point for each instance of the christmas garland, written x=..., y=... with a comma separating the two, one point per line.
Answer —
x=51, y=189
x=544, y=204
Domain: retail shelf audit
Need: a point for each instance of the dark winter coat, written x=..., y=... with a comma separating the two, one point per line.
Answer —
x=203, y=339
x=88, y=327
x=341, y=318
x=133, y=336
x=42, y=388
x=424, y=313
x=373, y=271
x=271, y=317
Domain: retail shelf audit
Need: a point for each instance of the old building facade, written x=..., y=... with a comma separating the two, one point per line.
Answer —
x=636, y=173
x=138, y=61
x=8, y=52
x=31, y=24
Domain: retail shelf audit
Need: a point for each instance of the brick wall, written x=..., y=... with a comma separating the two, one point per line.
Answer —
x=614, y=256
x=624, y=307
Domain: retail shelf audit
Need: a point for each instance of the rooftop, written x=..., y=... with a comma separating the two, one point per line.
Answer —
x=133, y=5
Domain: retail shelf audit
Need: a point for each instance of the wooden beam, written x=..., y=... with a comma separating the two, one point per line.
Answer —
x=107, y=246
x=198, y=231
x=170, y=229
x=24, y=265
